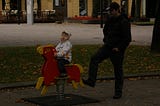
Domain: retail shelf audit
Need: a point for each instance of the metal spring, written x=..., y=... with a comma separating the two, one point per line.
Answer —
x=60, y=89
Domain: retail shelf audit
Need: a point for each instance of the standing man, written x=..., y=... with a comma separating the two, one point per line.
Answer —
x=117, y=36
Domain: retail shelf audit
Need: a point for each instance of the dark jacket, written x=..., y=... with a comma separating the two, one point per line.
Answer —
x=117, y=32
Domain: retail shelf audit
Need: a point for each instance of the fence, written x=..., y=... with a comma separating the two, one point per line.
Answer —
x=13, y=16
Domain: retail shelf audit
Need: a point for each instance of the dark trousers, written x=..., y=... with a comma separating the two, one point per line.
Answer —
x=117, y=60
x=61, y=65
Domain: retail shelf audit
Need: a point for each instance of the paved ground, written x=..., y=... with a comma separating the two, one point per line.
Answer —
x=23, y=34
x=136, y=92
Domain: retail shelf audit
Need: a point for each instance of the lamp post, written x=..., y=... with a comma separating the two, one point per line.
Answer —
x=29, y=12
x=101, y=12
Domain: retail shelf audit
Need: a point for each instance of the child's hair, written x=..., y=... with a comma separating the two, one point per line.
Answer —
x=66, y=34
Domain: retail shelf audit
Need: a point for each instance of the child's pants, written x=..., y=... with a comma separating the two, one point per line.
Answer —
x=61, y=65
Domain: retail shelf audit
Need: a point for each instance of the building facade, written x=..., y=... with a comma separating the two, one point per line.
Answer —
x=76, y=8
x=72, y=7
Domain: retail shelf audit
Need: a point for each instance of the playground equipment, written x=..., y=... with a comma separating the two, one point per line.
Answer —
x=50, y=72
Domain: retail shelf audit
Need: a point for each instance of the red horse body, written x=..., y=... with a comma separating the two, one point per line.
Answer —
x=50, y=69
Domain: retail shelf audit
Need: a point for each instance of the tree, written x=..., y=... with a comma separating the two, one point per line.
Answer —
x=155, y=45
x=138, y=8
x=133, y=9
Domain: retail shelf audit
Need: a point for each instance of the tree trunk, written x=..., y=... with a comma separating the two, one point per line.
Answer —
x=137, y=9
x=132, y=17
x=155, y=45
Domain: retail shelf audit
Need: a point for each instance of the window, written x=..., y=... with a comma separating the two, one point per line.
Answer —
x=82, y=7
x=56, y=2
x=13, y=5
x=3, y=4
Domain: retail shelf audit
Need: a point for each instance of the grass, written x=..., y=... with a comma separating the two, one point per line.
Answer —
x=143, y=23
x=24, y=63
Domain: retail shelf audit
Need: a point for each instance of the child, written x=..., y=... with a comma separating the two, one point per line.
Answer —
x=63, y=54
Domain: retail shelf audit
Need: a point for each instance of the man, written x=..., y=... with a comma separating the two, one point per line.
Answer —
x=117, y=36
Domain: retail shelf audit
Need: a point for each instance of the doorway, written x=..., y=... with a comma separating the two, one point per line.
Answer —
x=60, y=6
x=14, y=4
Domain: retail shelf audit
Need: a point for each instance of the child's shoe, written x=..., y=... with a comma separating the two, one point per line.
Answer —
x=63, y=75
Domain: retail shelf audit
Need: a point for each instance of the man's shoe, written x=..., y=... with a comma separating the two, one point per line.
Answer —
x=117, y=96
x=89, y=83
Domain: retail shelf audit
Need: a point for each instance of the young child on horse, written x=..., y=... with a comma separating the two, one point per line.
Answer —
x=63, y=54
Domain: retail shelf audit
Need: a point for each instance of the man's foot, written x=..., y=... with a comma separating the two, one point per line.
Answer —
x=89, y=83
x=117, y=96
x=63, y=75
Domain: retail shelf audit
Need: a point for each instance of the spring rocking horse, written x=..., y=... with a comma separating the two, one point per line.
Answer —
x=50, y=72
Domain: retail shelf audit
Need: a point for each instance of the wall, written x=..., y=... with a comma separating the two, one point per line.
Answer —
x=23, y=5
x=46, y=4
x=73, y=8
x=0, y=5
x=129, y=7
x=118, y=1
x=90, y=7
